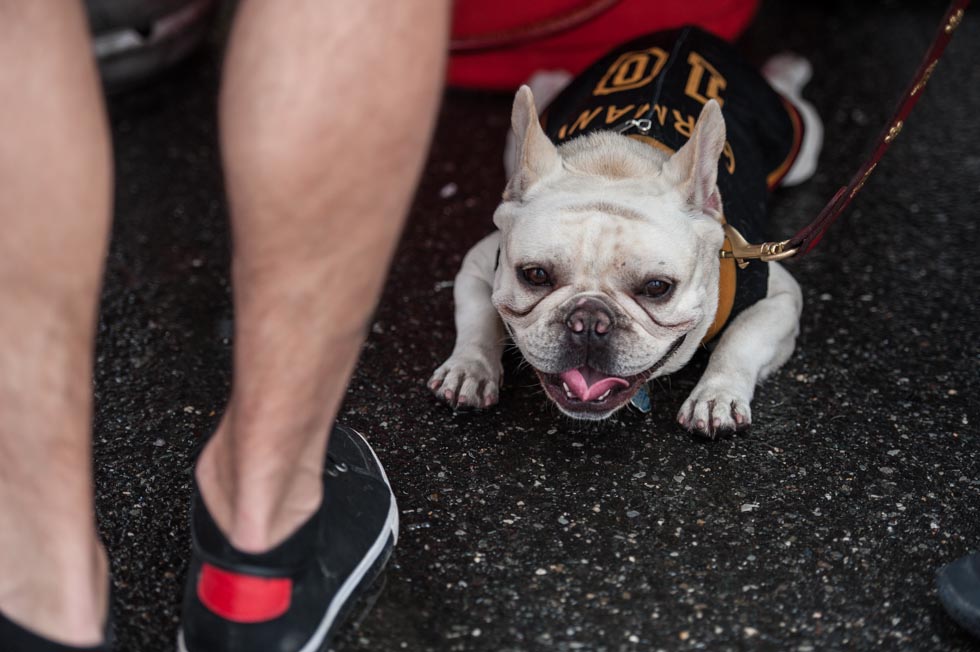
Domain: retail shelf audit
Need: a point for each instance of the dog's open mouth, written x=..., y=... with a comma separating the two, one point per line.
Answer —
x=587, y=391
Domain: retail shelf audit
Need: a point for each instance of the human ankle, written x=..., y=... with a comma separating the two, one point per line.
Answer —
x=53, y=570
x=255, y=506
x=63, y=598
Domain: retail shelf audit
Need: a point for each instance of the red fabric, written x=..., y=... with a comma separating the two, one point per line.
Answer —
x=243, y=598
x=575, y=49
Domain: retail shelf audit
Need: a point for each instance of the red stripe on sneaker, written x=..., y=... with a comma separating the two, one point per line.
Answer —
x=243, y=598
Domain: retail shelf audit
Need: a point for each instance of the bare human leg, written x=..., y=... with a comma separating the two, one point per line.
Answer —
x=55, y=211
x=326, y=112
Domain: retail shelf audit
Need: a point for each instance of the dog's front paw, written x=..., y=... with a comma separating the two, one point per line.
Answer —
x=712, y=410
x=467, y=381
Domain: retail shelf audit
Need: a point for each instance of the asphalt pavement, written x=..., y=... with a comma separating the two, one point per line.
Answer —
x=818, y=530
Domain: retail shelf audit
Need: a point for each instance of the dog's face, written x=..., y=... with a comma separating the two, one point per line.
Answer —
x=608, y=266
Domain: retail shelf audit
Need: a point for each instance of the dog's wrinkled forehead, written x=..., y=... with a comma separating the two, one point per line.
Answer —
x=601, y=237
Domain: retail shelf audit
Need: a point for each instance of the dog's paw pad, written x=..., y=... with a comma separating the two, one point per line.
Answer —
x=711, y=412
x=465, y=382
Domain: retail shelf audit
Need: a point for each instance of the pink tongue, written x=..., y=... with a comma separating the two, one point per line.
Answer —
x=576, y=382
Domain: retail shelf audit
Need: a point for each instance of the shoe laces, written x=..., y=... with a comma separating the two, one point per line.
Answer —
x=335, y=467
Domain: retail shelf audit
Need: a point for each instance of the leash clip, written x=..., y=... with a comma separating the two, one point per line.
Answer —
x=643, y=125
x=743, y=252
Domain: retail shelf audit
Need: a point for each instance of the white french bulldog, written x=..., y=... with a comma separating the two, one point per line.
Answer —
x=605, y=273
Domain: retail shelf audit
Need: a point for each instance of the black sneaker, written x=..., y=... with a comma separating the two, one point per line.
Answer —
x=16, y=638
x=291, y=598
x=959, y=591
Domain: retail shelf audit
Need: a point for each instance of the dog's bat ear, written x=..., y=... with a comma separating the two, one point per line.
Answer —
x=694, y=167
x=535, y=154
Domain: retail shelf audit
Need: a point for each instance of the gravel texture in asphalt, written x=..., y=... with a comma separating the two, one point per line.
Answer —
x=523, y=530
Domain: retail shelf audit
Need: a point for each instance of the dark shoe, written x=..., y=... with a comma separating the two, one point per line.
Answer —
x=292, y=598
x=959, y=591
x=18, y=639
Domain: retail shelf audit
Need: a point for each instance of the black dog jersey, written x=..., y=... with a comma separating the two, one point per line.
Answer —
x=654, y=88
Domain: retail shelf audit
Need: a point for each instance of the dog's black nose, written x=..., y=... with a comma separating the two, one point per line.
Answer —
x=589, y=316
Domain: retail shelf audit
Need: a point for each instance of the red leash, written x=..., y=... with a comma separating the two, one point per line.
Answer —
x=808, y=237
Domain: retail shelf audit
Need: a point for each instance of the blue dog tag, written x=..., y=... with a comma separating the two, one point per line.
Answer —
x=641, y=400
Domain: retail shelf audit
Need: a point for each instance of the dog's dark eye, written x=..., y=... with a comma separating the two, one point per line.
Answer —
x=536, y=276
x=657, y=288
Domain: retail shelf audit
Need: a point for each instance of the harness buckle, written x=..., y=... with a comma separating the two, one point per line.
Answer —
x=743, y=252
